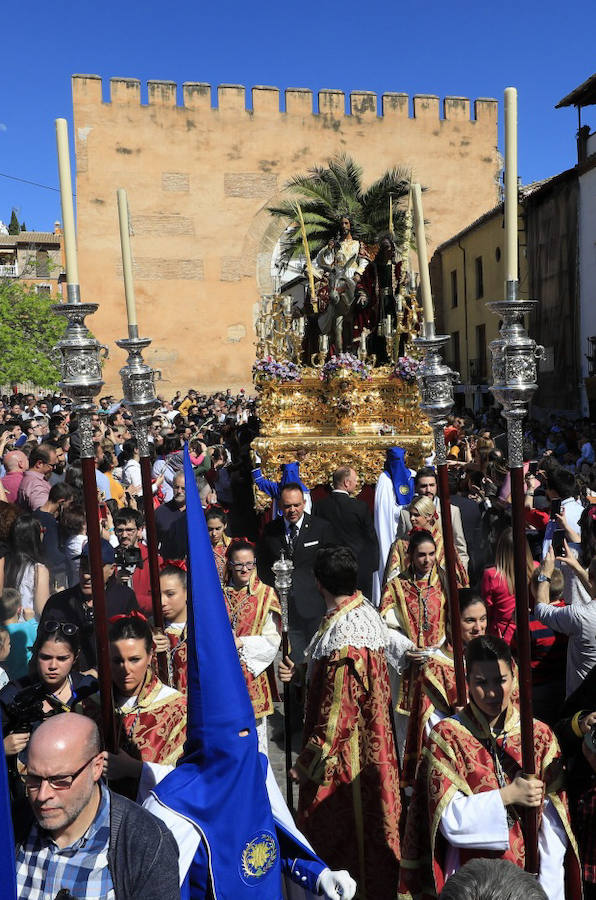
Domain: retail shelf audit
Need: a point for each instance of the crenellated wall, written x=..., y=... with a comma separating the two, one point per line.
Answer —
x=200, y=177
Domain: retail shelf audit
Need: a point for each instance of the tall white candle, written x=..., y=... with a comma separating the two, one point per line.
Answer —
x=68, y=225
x=427, y=300
x=510, y=185
x=129, y=287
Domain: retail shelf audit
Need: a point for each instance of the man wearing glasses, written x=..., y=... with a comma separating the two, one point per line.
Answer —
x=255, y=617
x=34, y=488
x=132, y=556
x=83, y=840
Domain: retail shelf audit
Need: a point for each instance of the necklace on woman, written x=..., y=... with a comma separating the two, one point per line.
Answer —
x=423, y=602
x=56, y=694
x=236, y=608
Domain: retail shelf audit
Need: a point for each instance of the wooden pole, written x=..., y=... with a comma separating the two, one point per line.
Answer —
x=162, y=658
x=522, y=605
x=100, y=621
x=454, y=614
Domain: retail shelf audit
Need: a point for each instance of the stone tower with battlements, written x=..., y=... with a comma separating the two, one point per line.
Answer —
x=200, y=178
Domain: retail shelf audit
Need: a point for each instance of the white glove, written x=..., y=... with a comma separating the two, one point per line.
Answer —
x=336, y=884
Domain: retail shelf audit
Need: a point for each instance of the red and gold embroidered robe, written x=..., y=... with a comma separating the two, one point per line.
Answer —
x=349, y=804
x=434, y=691
x=177, y=658
x=155, y=730
x=405, y=595
x=219, y=554
x=397, y=559
x=456, y=759
x=248, y=609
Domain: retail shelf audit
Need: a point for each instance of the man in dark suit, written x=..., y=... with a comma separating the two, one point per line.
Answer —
x=299, y=536
x=352, y=525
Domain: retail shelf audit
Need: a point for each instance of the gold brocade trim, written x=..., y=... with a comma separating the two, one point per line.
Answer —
x=321, y=753
x=176, y=753
x=146, y=700
x=357, y=805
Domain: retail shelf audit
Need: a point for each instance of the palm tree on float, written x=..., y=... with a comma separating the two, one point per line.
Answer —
x=328, y=193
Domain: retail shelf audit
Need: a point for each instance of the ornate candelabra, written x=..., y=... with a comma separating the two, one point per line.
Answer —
x=282, y=571
x=81, y=381
x=81, y=363
x=138, y=388
x=435, y=380
x=515, y=357
x=318, y=359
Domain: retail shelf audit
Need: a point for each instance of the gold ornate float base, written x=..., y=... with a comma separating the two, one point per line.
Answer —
x=345, y=421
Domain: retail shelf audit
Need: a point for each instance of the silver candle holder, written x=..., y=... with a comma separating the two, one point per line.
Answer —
x=282, y=571
x=435, y=380
x=138, y=386
x=515, y=357
x=81, y=364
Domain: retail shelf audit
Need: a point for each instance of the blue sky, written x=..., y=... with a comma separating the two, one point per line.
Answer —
x=460, y=48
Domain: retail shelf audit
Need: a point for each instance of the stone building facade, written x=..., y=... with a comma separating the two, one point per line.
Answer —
x=200, y=178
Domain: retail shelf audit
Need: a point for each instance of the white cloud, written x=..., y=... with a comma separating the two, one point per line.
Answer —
x=3, y=127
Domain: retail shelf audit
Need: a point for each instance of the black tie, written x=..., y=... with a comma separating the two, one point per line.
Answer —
x=293, y=536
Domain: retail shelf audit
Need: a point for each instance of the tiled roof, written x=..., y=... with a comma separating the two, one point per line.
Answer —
x=31, y=237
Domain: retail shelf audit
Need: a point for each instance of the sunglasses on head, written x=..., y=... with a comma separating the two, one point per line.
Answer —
x=67, y=628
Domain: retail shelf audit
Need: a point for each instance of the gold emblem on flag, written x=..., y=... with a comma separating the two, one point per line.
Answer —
x=259, y=855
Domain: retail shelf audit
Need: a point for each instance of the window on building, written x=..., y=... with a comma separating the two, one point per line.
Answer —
x=45, y=289
x=454, y=289
x=455, y=351
x=42, y=264
x=481, y=351
x=479, y=277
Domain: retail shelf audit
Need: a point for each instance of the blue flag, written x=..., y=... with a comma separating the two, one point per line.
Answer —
x=219, y=783
x=8, y=878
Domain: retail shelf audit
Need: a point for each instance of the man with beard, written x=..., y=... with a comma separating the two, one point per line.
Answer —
x=60, y=445
x=376, y=296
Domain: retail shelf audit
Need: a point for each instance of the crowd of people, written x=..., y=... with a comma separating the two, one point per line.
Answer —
x=397, y=784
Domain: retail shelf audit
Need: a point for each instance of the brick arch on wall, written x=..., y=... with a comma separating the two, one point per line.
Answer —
x=261, y=237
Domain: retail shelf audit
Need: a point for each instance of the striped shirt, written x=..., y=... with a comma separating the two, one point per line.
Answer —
x=43, y=868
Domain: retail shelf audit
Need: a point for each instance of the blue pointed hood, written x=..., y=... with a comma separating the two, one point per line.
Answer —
x=290, y=472
x=219, y=782
x=7, y=864
x=402, y=479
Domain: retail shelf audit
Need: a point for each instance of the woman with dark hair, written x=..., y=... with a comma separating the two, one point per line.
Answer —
x=414, y=604
x=151, y=716
x=172, y=581
x=217, y=521
x=498, y=587
x=435, y=692
x=129, y=460
x=423, y=517
x=54, y=685
x=24, y=568
x=470, y=788
x=255, y=617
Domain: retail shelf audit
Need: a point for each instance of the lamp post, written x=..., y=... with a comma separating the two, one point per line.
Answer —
x=282, y=571
x=435, y=380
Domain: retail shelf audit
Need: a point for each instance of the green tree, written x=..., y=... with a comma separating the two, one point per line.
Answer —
x=23, y=226
x=14, y=227
x=29, y=331
x=326, y=193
